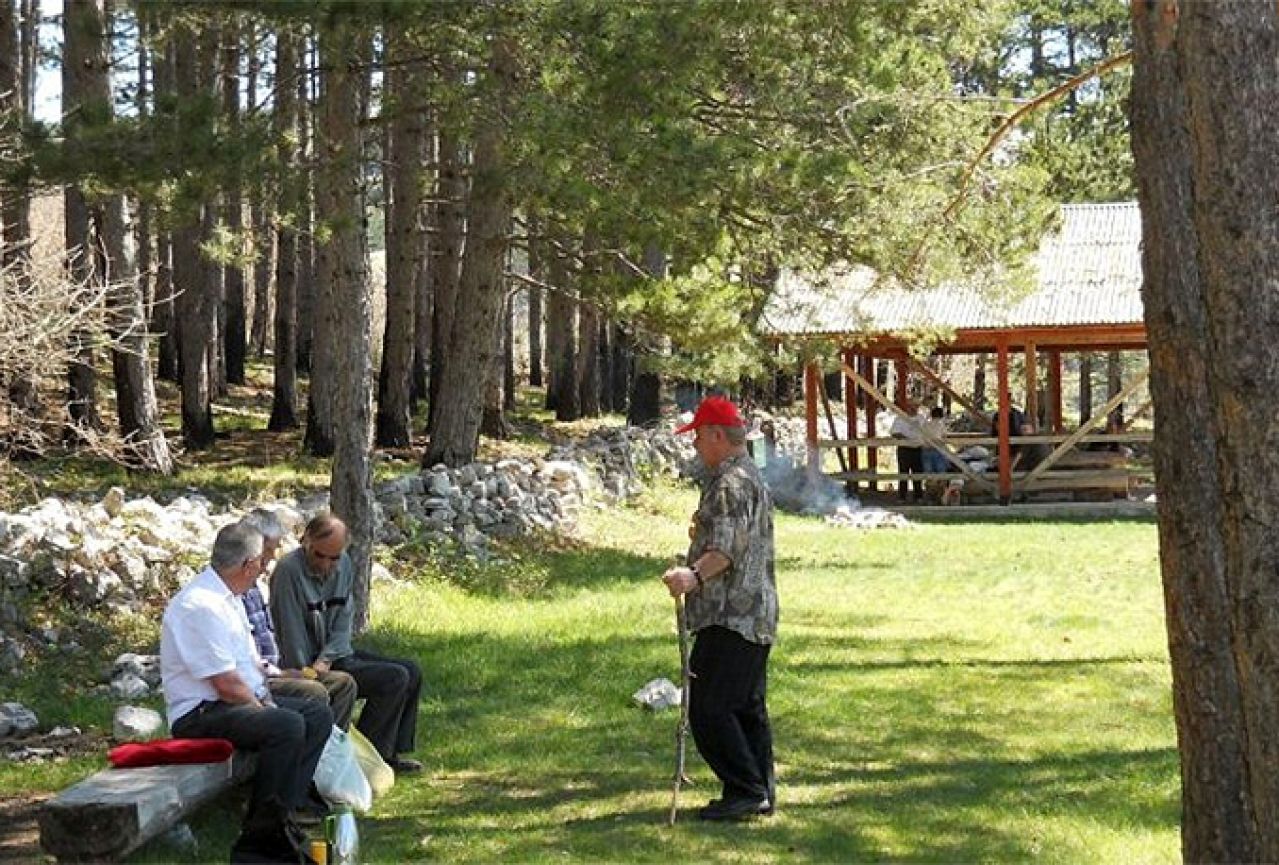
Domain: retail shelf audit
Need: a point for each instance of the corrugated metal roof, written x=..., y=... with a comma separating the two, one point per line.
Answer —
x=1088, y=273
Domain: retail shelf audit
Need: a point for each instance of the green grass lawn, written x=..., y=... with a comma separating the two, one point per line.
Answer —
x=954, y=693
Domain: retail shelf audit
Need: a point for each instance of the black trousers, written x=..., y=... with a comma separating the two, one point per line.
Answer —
x=910, y=461
x=728, y=713
x=288, y=740
x=391, y=688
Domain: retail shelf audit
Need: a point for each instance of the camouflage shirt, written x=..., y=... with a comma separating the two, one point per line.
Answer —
x=735, y=518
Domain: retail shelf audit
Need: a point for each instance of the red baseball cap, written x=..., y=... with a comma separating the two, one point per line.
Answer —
x=713, y=411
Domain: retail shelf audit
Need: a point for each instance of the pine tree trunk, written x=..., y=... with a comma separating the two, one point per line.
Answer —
x=284, y=396
x=620, y=367
x=139, y=413
x=263, y=236
x=562, y=393
x=162, y=313
x=1085, y=387
x=1114, y=384
x=405, y=240
x=15, y=198
x=509, y=383
x=446, y=262
x=306, y=266
x=646, y=382
x=1205, y=143
x=341, y=204
x=424, y=307
x=534, y=333
x=979, y=381
x=234, y=345
x=195, y=313
x=493, y=422
x=588, y=360
x=84, y=61
x=482, y=288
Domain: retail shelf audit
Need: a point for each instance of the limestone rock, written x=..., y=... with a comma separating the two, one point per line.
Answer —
x=17, y=721
x=136, y=724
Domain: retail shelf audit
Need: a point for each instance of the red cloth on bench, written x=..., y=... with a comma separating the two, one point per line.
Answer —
x=163, y=752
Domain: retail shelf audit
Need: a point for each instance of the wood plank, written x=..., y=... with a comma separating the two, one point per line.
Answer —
x=109, y=815
x=973, y=412
x=940, y=445
x=1100, y=418
x=961, y=441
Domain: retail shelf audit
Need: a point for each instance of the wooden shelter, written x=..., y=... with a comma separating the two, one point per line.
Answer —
x=1086, y=297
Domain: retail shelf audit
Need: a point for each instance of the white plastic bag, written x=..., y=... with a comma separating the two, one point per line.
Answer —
x=338, y=776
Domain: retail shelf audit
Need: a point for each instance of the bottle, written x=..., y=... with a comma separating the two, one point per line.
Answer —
x=343, y=837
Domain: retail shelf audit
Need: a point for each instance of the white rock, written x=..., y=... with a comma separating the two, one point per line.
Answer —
x=128, y=686
x=659, y=694
x=113, y=501
x=136, y=724
x=16, y=720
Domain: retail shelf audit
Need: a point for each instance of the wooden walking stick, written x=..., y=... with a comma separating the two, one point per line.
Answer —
x=681, y=730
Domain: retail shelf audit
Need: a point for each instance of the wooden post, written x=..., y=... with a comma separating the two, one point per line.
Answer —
x=810, y=416
x=1032, y=387
x=899, y=368
x=1054, y=389
x=1005, y=452
x=872, y=453
x=850, y=416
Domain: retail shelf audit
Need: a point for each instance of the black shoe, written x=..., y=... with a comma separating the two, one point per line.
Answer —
x=405, y=765
x=735, y=809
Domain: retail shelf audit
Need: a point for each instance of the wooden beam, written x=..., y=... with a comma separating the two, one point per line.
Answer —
x=872, y=455
x=1099, y=418
x=941, y=445
x=811, y=375
x=972, y=410
x=964, y=440
x=830, y=418
x=850, y=415
x=1005, y=452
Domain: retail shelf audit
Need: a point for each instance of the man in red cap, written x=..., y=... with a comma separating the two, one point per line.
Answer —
x=731, y=607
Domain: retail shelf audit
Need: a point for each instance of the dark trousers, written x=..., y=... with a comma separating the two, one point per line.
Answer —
x=390, y=687
x=910, y=461
x=727, y=712
x=288, y=740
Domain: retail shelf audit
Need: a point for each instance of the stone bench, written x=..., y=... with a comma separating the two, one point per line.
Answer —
x=109, y=815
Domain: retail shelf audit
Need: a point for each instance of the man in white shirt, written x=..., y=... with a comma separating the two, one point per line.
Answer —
x=214, y=688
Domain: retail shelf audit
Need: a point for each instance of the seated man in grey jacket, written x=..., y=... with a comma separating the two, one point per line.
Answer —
x=312, y=607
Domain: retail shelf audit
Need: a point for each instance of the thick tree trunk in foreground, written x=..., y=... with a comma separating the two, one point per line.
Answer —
x=341, y=204
x=1206, y=140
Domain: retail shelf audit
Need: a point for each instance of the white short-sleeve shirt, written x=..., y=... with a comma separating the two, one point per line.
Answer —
x=205, y=633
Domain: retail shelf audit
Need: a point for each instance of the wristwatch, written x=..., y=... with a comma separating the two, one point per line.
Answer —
x=697, y=575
